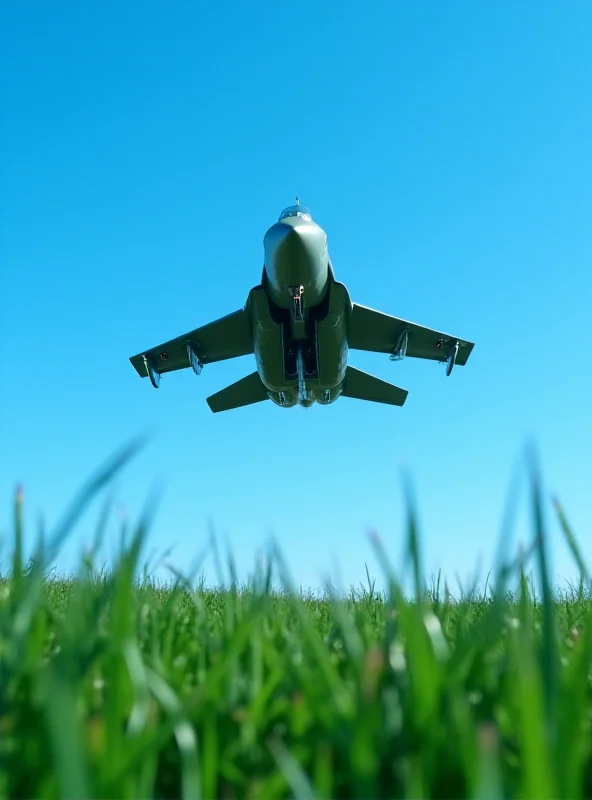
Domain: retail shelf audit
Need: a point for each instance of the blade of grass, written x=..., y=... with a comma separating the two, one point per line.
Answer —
x=65, y=736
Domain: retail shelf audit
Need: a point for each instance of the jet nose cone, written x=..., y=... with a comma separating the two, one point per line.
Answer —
x=281, y=235
x=276, y=237
x=295, y=255
x=294, y=242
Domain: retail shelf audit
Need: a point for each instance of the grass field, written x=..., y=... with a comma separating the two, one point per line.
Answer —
x=114, y=687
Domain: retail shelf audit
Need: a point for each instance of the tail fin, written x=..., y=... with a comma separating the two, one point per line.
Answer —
x=242, y=393
x=363, y=386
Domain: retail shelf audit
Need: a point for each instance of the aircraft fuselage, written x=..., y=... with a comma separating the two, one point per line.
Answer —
x=299, y=315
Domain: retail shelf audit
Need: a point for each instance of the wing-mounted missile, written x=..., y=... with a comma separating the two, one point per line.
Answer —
x=196, y=364
x=400, y=350
x=155, y=375
x=451, y=360
x=151, y=371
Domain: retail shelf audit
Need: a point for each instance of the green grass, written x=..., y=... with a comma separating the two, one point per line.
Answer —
x=112, y=686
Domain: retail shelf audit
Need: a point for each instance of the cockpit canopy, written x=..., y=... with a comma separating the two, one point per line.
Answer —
x=295, y=211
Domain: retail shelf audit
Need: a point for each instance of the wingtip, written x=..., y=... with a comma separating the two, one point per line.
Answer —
x=138, y=365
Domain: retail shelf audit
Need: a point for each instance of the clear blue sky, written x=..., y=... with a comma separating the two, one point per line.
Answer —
x=446, y=150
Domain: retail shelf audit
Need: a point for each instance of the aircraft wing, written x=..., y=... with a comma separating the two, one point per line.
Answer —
x=227, y=337
x=381, y=333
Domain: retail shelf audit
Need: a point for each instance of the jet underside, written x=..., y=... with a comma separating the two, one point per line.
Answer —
x=301, y=357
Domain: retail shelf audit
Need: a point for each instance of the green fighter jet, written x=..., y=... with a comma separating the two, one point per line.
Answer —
x=300, y=323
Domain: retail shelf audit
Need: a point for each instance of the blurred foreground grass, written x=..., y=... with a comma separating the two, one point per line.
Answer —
x=113, y=687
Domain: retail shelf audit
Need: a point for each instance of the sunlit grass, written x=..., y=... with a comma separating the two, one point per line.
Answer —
x=113, y=686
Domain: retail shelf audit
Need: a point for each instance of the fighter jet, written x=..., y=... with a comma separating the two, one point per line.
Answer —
x=300, y=323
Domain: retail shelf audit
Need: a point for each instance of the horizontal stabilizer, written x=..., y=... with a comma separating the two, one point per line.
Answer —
x=363, y=386
x=245, y=392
